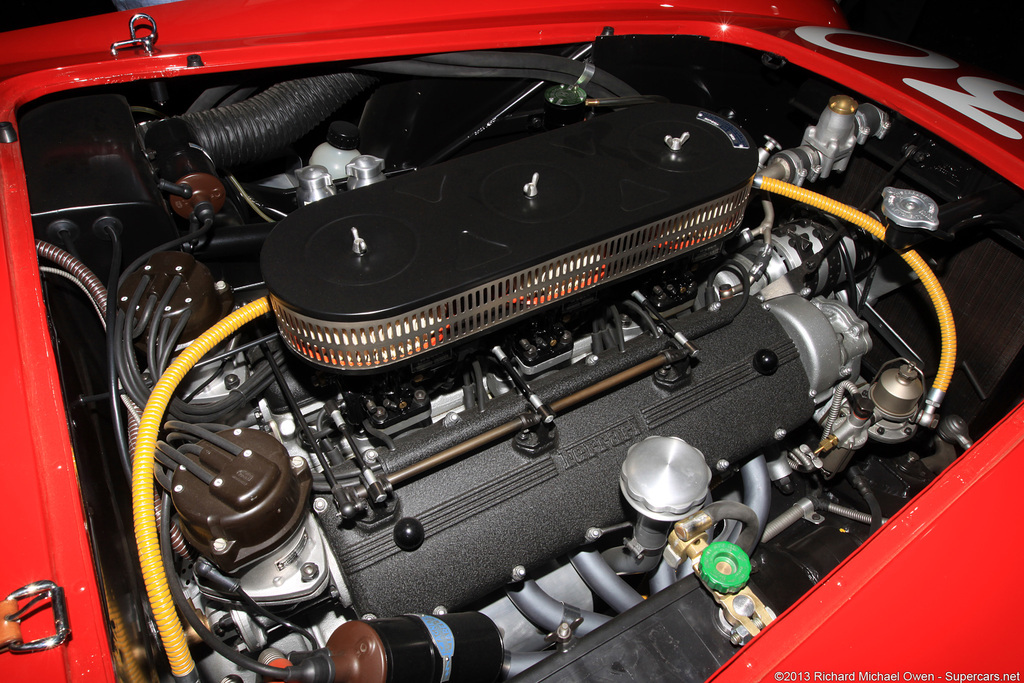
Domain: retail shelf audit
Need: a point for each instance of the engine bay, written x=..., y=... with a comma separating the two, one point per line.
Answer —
x=426, y=369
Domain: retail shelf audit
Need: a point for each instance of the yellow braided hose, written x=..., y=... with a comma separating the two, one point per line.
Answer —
x=947, y=359
x=143, y=511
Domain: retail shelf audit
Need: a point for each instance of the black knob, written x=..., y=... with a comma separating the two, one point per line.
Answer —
x=766, y=361
x=408, y=534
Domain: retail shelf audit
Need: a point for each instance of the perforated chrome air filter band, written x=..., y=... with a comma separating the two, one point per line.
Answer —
x=384, y=341
x=460, y=248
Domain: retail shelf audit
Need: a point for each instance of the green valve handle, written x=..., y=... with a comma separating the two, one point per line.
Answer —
x=724, y=567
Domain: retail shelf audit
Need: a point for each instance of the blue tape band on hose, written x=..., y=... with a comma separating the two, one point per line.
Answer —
x=444, y=641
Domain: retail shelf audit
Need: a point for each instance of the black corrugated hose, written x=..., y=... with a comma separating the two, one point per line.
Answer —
x=268, y=122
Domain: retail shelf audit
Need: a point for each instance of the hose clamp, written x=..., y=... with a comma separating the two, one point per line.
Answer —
x=444, y=640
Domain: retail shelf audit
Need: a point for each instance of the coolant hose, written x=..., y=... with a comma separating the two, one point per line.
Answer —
x=268, y=122
x=548, y=613
x=722, y=510
x=757, y=491
x=518, y=662
x=143, y=512
x=619, y=595
x=947, y=359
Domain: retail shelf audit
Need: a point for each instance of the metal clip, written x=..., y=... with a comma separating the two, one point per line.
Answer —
x=39, y=592
x=143, y=21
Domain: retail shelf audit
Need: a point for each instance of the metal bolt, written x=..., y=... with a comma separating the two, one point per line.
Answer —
x=218, y=482
x=358, y=243
x=309, y=572
x=766, y=306
x=247, y=453
x=722, y=465
x=440, y=611
x=370, y=456
x=846, y=372
x=179, y=488
x=319, y=504
x=812, y=393
x=780, y=434
x=231, y=678
x=219, y=545
x=805, y=292
x=518, y=572
x=676, y=143
x=297, y=462
x=593, y=533
x=369, y=616
x=591, y=359
x=237, y=432
x=735, y=638
x=530, y=188
x=380, y=414
x=220, y=286
x=715, y=306
x=451, y=419
x=177, y=269
x=564, y=631
x=419, y=395
x=188, y=299
x=908, y=430
x=743, y=605
x=124, y=298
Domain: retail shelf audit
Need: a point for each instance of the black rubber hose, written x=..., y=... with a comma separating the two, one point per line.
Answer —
x=268, y=122
x=727, y=509
x=860, y=482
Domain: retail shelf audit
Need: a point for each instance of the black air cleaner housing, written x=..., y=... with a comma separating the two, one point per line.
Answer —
x=459, y=248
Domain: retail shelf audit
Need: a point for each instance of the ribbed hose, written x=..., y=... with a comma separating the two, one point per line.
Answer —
x=947, y=359
x=79, y=270
x=837, y=403
x=146, y=535
x=850, y=513
x=268, y=122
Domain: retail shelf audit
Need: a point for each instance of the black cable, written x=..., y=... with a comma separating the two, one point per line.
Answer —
x=379, y=435
x=113, y=383
x=739, y=271
x=534, y=60
x=857, y=479
x=238, y=349
x=851, y=284
x=293, y=406
x=643, y=319
x=205, y=435
x=481, y=390
x=618, y=336
x=208, y=381
x=168, y=345
x=186, y=610
x=155, y=327
x=147, y=313
x=277, y=619
x=191, y=466
x=167, y=246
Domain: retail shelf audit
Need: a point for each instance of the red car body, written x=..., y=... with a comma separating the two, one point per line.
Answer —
x=934, y=591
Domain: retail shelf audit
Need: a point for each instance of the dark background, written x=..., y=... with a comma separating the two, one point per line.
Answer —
x=985, y=34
